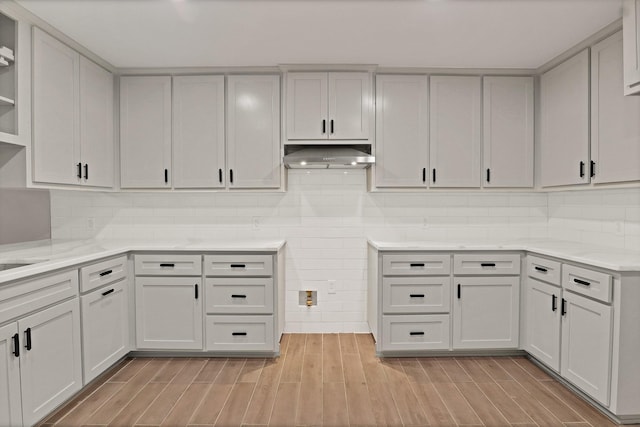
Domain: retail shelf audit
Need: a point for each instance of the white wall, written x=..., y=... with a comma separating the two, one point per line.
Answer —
x=325, y=217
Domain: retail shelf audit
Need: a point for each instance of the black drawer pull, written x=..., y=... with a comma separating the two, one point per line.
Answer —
x=488, y=175
x=166, y=176
x=86, y=171
x=581, y=169
x=79, y=174
x=220, y=175
x=168, y=265
x=417, y=264
x=424, y=174
x=332, y=126
x=238, y=296
x=238, y=334
x=458, y=290
x=416, y=295
x=105, y=293
x=27, y=334
x=554, y=303
x=105, y=273
x=416, y=333
x=563, y=307
x=196, y=291
x=434, y=175
x=487, y=264
x=324, y=126
x=593, y=169
x=238, y=265
x=16, y=345
x=582, y=282
x=542, y=269
x=231, y=176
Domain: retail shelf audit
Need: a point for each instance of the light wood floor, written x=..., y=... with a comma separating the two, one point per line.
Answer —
x=332, y=380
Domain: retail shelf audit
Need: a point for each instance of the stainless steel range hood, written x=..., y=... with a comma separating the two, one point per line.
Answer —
x=328, y=156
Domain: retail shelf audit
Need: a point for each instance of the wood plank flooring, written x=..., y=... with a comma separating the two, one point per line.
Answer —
x=331, y=380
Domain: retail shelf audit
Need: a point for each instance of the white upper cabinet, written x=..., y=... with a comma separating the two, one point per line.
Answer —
x=56, y=109
x=96, y=124
x=402, y=119
x=145, y=132
x=253, y=131
x=615, y=118
x=565, y=122
x=454, y=135
x=631, y=29
x=332, y=105
x=198, y=132
x=508, y=131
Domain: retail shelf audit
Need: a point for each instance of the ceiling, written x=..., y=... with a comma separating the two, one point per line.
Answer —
x=393, y=33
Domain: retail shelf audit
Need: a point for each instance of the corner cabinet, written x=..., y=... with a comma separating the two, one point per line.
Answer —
x=631, y=29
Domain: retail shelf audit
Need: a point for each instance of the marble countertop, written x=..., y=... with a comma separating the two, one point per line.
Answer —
x=598, y=256
x=48, y=255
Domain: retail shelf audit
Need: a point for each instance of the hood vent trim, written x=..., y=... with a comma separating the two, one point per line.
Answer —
x=328, y=156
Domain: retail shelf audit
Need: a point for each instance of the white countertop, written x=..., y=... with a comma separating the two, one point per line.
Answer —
x=597, y=256
x=47, y=255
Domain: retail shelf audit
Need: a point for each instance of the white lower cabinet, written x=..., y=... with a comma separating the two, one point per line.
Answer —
x=586, y=345
x=10, y=402
x=416, y=332
x=542, y=322
x=169, y=313
x=240, y=333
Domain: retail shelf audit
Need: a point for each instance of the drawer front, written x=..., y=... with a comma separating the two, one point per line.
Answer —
x=587, y=282
x=430, y=332
x=490, y=264
x=544, y=269
x=238, y=265
x=416, y=294
x=240, y=333
x=102, y=273
x=24, y=297
x=239, y=295
x=416, y=264
x=168, y=265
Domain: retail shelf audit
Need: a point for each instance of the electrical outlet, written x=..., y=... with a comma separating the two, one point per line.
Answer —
x=332, y=287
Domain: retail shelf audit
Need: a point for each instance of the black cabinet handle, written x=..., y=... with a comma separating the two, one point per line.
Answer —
x=554, y=302
x=220, y=175
x=79, y=170
x=238, y=296
x=171, y=265
x=331, y=125
x=458, y=290
x=106, y=273
x=581, y=282
x=593, y=169
x=487, y=264
x=166, y=176
x=196, y=291
x=238, y=334
x=488, y=175
x=424, y=174
x=434, y=174
x=581, y=169
x=27, y=335
x=417, y=264
x=324, y=126
x=231, y=175
x=86, y=171
x=16, y=345
x=416, y=333
x=416, y=295
x=542, y=269
x=563, y=307
x=238, y=265
x=105, y=293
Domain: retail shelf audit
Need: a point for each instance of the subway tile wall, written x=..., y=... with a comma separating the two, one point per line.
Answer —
x=326, y=217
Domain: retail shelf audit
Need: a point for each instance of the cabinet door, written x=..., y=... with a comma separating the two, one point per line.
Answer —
x=454, y=135
x=105, y=328
x=50, y=367
x=586, y=345
x=565, y=122
x=145, y=132
x=307, y=106
x=401, y=131
x=486, y=312
x=198, y=132
x=542, y=322
x=508, y=131
x=169, y=313
x=349, y=105
x=10, y=406
x=631, y=29
x=56, y=138
x=96, y=124
x=615, y=118
x=253, y=131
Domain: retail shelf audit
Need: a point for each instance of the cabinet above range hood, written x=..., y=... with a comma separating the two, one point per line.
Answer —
x=323, y=156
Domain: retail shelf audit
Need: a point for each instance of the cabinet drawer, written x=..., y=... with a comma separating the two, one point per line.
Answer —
x=168, y=265
x=238, y=265
x=24, y=297
x=587, y=282
x=102, y=273
x=240, y=333
x=543, y=269
x=490, y=264
x=416, y=294
x=239, y=295
x=430, y=332
x=416, y=265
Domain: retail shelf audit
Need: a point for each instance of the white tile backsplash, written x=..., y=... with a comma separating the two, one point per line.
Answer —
x=326, y=217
